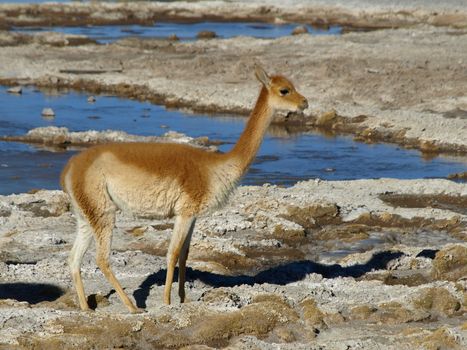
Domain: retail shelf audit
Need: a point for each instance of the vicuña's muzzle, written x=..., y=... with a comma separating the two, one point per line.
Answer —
x=304, y=105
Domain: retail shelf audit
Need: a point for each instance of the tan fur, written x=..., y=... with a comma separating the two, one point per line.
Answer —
x=162, y=180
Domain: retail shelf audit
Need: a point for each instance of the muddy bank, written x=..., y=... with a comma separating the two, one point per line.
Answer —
x=404, y=86
x=324, y=265
x=350, y=14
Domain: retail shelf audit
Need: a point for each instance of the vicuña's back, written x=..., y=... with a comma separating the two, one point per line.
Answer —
x=147, y=179
x=162, y=180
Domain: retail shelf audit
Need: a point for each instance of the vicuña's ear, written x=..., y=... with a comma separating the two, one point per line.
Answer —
x=262, y=76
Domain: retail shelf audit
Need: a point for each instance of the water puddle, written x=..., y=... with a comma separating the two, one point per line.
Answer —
x=184, y=31
x=334, y=250
x=284, y=158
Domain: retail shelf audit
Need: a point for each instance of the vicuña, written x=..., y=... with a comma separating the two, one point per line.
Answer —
x=162, y=180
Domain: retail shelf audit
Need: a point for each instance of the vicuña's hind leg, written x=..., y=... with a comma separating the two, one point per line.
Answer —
x=99, y=211
x=183, y=227
x=82, y=241
x=182, y=263
x=104, y=227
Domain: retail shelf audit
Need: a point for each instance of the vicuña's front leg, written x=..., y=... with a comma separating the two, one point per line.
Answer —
x=182, y=264
x=183, y=228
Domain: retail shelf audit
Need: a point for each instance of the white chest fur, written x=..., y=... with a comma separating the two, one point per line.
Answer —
x=223, y=180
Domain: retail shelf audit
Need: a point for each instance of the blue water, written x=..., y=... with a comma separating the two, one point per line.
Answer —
x=283, y=158
x=185, y=31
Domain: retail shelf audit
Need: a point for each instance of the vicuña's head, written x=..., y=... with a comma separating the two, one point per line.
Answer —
x=282, y=93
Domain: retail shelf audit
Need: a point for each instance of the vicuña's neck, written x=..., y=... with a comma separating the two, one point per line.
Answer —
x=248, y=144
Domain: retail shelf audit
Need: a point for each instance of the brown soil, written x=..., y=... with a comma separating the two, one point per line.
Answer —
x=456, y=204
x=258, y=319
x=450, y=263
x=458, y=176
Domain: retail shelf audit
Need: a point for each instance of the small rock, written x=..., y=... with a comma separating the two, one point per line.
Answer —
x=438, y=300
x=312, y=315
x=137, y=231
x=441, y=338
x=394, y=312
x=278, y=20
x=458, y=176
x=4, y=211
x=48, y=113
x=137, y=326
x=428, y=146
x=221, y=297
x=174, y=134
x=450, y=263
x=173, y=37
x=299, y=30
x=206, y=34
x=285, y=334
x=362, y=312
x=327, y=119
x=15, y=90
x=57, y=241
x=203, y=140
x=91, y=99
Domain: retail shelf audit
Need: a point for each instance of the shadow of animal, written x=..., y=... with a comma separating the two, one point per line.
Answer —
x=33, y=293
x=279, y=275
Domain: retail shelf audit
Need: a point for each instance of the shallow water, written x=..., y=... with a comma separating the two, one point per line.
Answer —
x=284, y=158
x=380, y=240
x=184, y=31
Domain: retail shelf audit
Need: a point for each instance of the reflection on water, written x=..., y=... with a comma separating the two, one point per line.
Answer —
x=285, y=157
x=184, y=31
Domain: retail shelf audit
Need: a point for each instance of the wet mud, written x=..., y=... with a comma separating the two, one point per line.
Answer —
x=457, y=204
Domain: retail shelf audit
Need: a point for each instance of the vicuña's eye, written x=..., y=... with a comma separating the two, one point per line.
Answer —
x=284, y=91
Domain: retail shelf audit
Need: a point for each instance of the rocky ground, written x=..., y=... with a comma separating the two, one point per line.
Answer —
x=365, y=264
x=322, y=265
x=60, y=137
